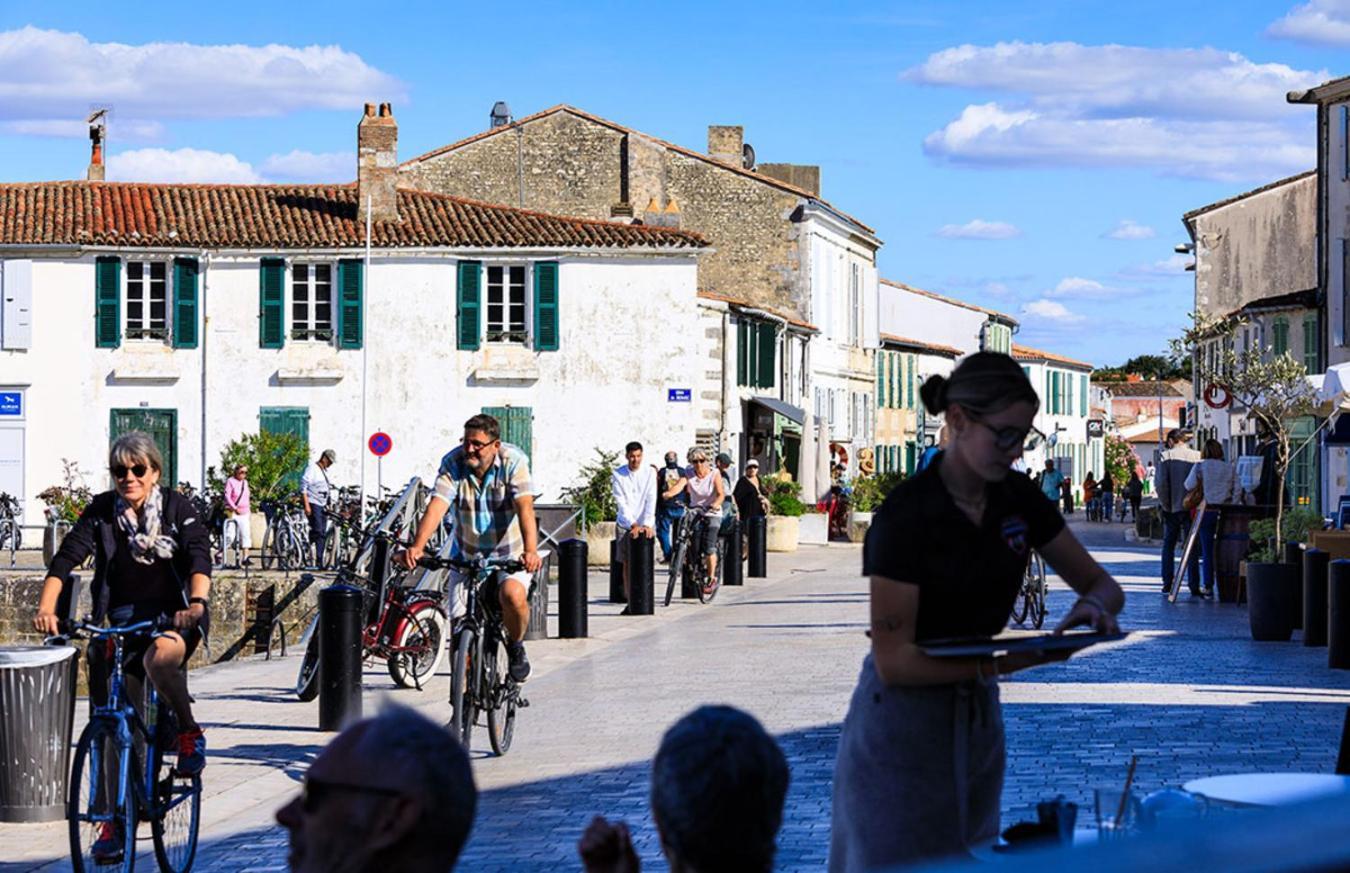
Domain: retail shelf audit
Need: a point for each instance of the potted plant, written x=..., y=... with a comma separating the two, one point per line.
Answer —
x=1280, y=611
x=783, y=525
x=868, y=494
x=593, y=494
x=275, y=461
x=64, y=505
x=1272, y=390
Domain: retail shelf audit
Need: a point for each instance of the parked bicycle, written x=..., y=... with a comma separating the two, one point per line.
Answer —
x=688, y=559
x=285, y=544
x=121, y=774
x=480, y=683
x=11, y=534
x=1030, y=602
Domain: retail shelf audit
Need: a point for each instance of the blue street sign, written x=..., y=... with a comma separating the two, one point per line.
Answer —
x=380, y=444
x=11, y=403
x=678, y=395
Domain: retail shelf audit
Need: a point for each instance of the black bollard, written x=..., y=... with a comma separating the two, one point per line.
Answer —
x=615, y=574
x=731, y=567
x=339, y=631
x=641, y=558
x=758, y=536
x=572, y=618
x=1338, y=615
x=1293, y=554
x=1315, y=563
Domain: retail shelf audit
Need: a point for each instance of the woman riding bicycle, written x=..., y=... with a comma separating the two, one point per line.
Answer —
x=706, y=492
x=152, y=557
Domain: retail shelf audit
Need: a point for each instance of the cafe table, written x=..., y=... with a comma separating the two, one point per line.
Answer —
x=1269, y=789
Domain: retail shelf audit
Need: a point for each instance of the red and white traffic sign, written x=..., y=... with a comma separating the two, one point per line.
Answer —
x=380, y=443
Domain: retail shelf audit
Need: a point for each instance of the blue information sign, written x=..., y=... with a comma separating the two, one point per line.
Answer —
x=678, y=395
x=11, y=403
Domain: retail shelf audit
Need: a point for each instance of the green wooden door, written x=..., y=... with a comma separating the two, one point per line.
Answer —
x=517, y=423
x=1302, y=478
x=287, y=419
x=161, y=424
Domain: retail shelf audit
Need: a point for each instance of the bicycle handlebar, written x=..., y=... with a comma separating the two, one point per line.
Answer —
x=475, y=565
x=153, y=627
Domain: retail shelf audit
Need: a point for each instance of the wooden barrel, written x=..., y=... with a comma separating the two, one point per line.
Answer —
x=1230, y=550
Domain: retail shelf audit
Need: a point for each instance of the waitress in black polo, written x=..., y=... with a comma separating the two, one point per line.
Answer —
x=920, y=767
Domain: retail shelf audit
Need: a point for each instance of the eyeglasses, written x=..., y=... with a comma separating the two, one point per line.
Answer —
x=120, y=471
x=1007, y=437
x=314, y=792
x=476, y=445
x=700, y=460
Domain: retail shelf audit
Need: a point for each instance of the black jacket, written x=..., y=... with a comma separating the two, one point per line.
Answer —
x=95, y=533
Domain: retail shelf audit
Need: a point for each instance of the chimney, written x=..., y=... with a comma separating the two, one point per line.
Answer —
x=803, y=176
x=500, y=115
x=98, y=131
x=670, y=216
x=377, y=164
x=726, y=143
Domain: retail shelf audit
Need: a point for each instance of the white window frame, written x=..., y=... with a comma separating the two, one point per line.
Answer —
x=146, y=330
x=504, y=330
x=854, y=304
x=311, y=329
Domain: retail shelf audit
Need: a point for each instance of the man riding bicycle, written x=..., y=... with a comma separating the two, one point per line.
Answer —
x=487, y=484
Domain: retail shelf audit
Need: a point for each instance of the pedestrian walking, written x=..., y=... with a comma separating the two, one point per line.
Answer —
x=236, y=528
x=730, y=509
x=671, y=502
x=1214, y=476
x=1170, y=483
x=1148, y=479
x=1106, y=489
x=751, y=501
x=1051, y=480
x=314, y=490
x=1091, y=502
x=633, y=487
x=1134, y=495
x=921, y=756
x=1066, y=495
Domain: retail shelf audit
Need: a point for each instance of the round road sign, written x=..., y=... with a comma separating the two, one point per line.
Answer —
x=380, y=444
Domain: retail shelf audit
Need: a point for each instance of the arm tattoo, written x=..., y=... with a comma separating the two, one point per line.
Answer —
x=887, y=622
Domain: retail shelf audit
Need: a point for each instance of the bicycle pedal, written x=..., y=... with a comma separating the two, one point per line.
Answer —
x=521, y=703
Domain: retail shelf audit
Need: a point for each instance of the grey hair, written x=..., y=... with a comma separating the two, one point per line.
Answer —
x=435, y=766
x=718, y=785
x=134, y=447
x=697, y=454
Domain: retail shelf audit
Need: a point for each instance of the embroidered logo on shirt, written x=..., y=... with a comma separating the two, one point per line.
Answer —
x=1015, y=535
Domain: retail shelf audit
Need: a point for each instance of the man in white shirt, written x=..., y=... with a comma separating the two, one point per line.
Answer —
x=634, y=490
x=314, y=488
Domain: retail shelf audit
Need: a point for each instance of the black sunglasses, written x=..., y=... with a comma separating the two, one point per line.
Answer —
x=120, y=471
x=1007, y=437
x=314, y=792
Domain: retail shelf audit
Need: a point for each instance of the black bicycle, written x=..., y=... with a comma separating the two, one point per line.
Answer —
x=121, y=774
x=688, y=559
x=1030, y=602
x=480, y=683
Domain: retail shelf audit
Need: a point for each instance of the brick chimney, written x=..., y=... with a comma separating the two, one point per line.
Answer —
x=97, y=133
x=377, y=164
x=804, y=176
x=726, y=143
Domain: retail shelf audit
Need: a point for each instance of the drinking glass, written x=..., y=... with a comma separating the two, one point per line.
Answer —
x=1117, y=811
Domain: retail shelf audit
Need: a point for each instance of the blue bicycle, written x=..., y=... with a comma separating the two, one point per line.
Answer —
x=121, y=774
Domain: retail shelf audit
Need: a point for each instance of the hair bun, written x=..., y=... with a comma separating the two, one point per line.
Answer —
x=933, y=393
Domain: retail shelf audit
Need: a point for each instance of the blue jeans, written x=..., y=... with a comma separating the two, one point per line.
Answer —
x=1176, y=527
x=1108, y=503
x=1209, y=528
x=665, y=521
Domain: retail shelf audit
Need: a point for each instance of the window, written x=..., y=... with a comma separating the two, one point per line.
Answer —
x=312, y=302
x=1310, y=338
x=756, y=344
x=506, y=304
x=855, y=305
x=147, y=300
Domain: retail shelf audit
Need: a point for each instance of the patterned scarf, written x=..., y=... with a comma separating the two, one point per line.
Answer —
x=143, y=533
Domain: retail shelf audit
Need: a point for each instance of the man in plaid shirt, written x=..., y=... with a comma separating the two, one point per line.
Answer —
x=486, y=483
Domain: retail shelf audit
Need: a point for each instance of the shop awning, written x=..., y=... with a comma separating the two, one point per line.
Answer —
x=787, y=410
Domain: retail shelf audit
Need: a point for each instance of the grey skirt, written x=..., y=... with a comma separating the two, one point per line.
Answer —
x=919, y=774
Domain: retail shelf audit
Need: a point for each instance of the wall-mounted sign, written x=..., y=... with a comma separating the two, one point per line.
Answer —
x=11, y=404
x=679, y=395
x=1096, y=427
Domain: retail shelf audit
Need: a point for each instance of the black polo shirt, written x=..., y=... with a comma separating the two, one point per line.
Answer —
x=968, y=576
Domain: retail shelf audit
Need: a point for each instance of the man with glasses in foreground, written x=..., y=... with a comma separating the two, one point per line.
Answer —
x=394, y=792
x=487, y=484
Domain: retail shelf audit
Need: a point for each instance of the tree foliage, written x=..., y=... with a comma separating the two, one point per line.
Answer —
x=1152, y=367
x=1120, y=459
x=592, y=492
x=274, y=461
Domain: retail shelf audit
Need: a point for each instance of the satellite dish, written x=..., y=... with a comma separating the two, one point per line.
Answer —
x=748, y=156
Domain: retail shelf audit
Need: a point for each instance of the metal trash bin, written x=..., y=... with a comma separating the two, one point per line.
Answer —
x=537, y=629
x=37, y=708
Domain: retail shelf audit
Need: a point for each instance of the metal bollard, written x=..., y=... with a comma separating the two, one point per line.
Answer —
x=1338, y=615
x=537, y=629
x=641, y=581
x=1293, y=554
x=758, y=535
x=339, y=630
x=1315, y=564
x=572, y=617
x=615, y=574
x=731, y=561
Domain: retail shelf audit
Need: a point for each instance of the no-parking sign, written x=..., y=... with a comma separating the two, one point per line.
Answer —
x=380, y=443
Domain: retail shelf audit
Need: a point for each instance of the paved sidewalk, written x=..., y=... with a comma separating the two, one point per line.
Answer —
x=1189, y=692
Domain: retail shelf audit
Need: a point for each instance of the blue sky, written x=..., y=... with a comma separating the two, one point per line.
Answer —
x=1035, y=157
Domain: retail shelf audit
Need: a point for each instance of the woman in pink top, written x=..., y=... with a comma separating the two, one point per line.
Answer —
x=236, y=511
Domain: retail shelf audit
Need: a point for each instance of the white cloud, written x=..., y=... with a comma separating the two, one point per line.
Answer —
x=1321, y=22
x=302, y=166
x=1050, y=311
x=180, y=165
x=978, y=228
x=1200, y=113
x=1077, y=286
x=1173, y=266
x=1129, y=229
x=51, y=76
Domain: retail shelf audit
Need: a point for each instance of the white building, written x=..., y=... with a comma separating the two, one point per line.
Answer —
x=200, y=313
x=1066, y=413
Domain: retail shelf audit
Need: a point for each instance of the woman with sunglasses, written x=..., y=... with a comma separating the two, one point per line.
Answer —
x=920, y=765
x=152, y=557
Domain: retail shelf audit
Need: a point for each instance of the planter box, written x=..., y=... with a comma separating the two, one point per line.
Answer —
x=781, y=533
x=1270, y=600
x=858, y=524
x=598, y=538
x=815, y=529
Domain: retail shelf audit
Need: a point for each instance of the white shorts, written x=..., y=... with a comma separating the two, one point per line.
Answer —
x=457, y=596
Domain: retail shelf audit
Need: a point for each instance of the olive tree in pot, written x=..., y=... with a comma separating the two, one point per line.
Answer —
x=1272, y=390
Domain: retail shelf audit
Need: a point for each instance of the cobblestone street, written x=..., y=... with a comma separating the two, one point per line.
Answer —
x=1188, y=692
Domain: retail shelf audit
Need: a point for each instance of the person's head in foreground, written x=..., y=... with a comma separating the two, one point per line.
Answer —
x=989, y=406
x=393, y=792
x=718, y=785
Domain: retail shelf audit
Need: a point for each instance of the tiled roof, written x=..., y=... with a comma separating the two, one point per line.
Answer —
x=932, y=348
x=1026, y=353
x=689, y=153
x=746, y=304
x=1229, y=201
x=1002, y=316
x=1327, y=91
x=1306, y=299
x=1147, y=388
x=290, y=216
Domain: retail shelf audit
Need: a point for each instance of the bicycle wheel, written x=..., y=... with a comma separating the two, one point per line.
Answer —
x=676, y=565
x=175, y=816
x=1020, y=604
x=462, y=665
x=1036, y=593
x=93, y=810
x=501, y=714
x=708, y=587
x=307, y=683
x=421, y=637
x=267, y=553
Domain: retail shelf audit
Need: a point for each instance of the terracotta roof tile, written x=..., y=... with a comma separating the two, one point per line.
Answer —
x=1146, y=388
x=1026, y=353
x=746, y=304
x=290, y=216
x=935, y=348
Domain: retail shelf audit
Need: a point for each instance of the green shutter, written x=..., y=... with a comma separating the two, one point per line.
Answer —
x=271, y=303
x=911, y=382
x=1054, y=392
x=742, y=353
x=546, y=306
x=881, y=384
x=185, y=303
x=764, y=367
x=108, y=302
x=1310, y=337
x=1083, y=394
x=350, y=303
x=467, y=307
x=1280, y=331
